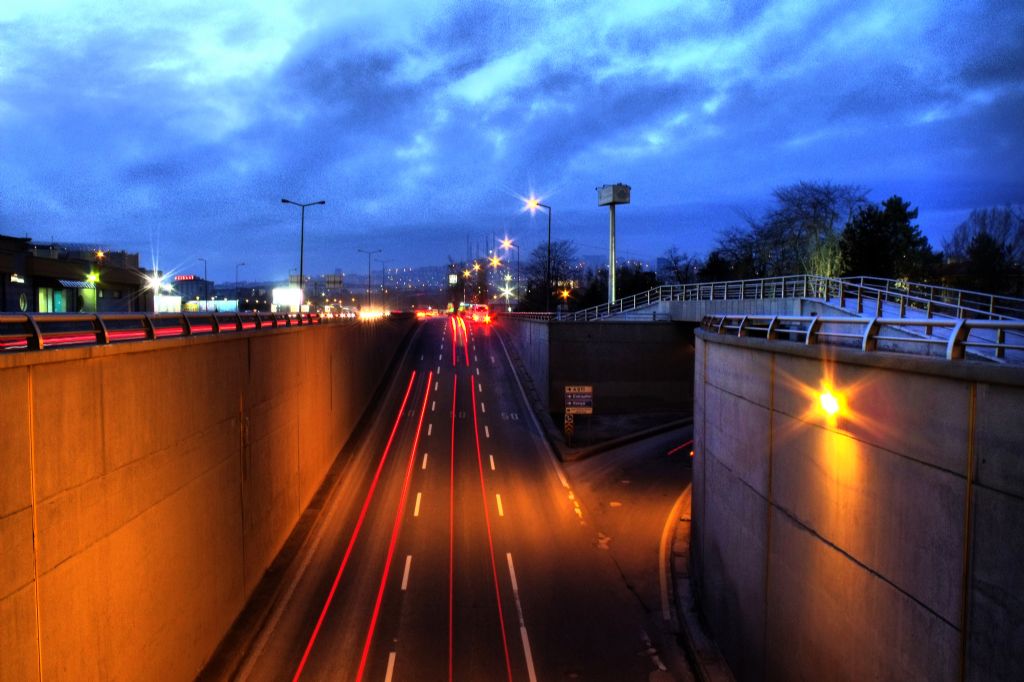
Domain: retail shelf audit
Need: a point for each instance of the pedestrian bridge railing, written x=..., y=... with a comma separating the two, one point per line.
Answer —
x=954, y=339
x=36, y=331
x=865, y=295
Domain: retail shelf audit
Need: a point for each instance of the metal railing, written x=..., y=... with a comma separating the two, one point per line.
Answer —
x=790, y=286
x=540, y=317
x=870, y=294
x=1000, y=340
x=927, y=298
x=36, y=331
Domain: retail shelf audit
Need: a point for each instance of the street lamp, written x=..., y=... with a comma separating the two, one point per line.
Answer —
x=533, y=204
x=237, y=265
x=383, y=280
x=302, y=240
x=507, y=244
x=369, y=272
x=206, y=288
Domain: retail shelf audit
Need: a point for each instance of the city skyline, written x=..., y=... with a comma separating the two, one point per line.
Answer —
x=174, y=130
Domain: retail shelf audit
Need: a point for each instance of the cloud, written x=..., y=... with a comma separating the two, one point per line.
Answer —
x=418, y=122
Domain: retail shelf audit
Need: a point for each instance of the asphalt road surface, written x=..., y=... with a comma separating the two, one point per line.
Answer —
x=453, y=547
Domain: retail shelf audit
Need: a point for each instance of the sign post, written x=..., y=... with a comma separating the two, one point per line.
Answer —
x=579, y=399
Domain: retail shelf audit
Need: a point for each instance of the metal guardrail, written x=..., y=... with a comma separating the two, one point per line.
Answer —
x=37, y=331
x=988, y=339
x=909, y=297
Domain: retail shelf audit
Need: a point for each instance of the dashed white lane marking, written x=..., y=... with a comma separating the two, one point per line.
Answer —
x=430, y=429
x=435, y=385
x=501, y=510
x=487, y=431
x=483, y=408
x=391, y=667
x=405, y=576
x=433, y=405
x=424, y=466
x=477, y=369
x=438, y=372
x=416, y=510
x=492, y=461
x=522, y=623
x=440, y=356
x=421, y=357
x=479, y=387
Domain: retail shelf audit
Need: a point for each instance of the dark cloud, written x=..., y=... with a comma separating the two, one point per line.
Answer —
x=420, y=123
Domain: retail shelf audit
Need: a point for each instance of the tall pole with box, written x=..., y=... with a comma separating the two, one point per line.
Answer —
x=610, y=196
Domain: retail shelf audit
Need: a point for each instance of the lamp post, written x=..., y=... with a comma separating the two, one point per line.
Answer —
x=383, y=280
x=610, y=196
x=533, y=205
x=237, y=265
x=302, y=241
x=206, y=288
x=369, y=272
x=507, y=244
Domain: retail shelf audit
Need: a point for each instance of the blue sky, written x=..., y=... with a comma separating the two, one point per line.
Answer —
x=176, y=128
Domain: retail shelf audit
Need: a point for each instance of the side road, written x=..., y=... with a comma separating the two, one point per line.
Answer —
x=612, y=473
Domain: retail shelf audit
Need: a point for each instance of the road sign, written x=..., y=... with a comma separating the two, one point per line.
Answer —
x=579, y=399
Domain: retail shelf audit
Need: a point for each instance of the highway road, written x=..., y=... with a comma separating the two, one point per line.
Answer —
x=452, y=546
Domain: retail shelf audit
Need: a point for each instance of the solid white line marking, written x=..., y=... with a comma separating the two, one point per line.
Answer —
x=487, y=431
x=433, y=404
x=522, y=623
x=391, y=667
x=416, y=511
x=430, y=429
x=405, y=576
x=424, y=461
x=483, y=408
x=492, y=461
x=501, y=510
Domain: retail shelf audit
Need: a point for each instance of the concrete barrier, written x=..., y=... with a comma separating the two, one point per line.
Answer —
x=146, y=488
x=633, y=366
x=884, y=544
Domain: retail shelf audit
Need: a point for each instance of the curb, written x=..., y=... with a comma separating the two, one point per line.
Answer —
x=705, y=658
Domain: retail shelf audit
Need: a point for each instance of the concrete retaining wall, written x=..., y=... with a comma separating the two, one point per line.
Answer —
x=633, y=366
x=159, y=480
x=884, y=546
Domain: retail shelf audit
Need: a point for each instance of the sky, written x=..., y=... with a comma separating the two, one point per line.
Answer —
x=174, y=129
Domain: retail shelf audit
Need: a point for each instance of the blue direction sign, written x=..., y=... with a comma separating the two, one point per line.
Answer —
x=579, y=399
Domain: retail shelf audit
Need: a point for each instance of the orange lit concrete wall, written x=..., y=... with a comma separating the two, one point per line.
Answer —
x=161, y=479
x=885, y=546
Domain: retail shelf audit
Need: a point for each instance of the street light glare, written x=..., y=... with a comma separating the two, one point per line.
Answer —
x=506, y=243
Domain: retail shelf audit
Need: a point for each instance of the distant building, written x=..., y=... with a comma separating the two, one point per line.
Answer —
x=62, y=278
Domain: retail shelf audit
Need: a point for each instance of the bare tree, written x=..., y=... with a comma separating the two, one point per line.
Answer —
x=1005, y=225
x=800, y=235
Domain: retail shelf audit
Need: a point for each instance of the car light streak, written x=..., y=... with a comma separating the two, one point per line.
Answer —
x=451, y=541
x=490, y=538
x=355, y=532
x=679, y=447
x=394, y=535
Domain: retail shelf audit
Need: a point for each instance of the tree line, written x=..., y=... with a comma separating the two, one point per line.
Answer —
x=817, y=228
